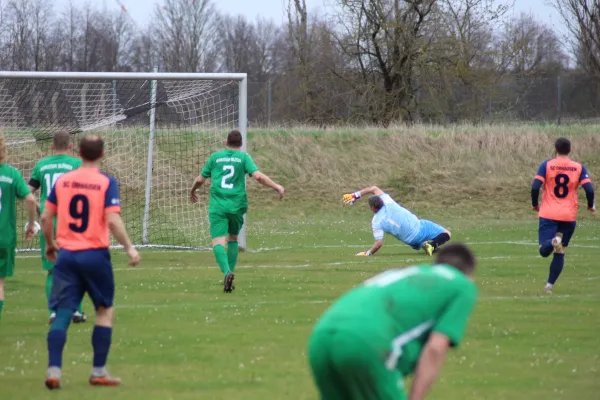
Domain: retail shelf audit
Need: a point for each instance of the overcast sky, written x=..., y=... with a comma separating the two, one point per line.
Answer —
x=141, y=11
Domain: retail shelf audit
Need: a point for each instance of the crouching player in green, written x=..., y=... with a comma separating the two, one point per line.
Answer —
x=228, y=202
x=398, y=323
x=43, y=177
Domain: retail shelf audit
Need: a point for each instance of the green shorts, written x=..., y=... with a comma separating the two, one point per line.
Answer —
x=7, y=262
x=346, y=367
x=46, y=265
x=223, y=224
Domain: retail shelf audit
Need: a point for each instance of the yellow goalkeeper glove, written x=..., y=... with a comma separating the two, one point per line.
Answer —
x=364, y=253
x=350, y=198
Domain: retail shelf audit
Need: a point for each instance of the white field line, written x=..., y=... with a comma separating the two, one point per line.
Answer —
x=396, y=261
x=337, y=246
x=199, y=305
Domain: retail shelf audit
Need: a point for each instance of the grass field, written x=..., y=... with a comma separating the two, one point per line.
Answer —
x=178, y=336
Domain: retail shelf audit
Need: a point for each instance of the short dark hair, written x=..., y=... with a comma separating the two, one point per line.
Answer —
x=61, y=140
x=91, y=147
x=563, y=146
x=234, y=139
x=457, y=255
x=376, y=203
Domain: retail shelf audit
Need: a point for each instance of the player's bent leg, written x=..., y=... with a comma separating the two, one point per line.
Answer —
x=223, y=262
x=564, y=234
x=546, y=233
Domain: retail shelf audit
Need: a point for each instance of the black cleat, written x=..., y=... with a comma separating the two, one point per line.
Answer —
x=79, y=318
x=228, y=282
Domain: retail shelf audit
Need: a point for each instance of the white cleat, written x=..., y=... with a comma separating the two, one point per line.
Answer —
x=548, y=288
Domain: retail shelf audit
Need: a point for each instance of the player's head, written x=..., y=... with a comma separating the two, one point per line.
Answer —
x=2, y=149
x=91, y=148
x=234, y=139
x=376, y=203
x=61, y=141
x=457, y=255
x=562, y=146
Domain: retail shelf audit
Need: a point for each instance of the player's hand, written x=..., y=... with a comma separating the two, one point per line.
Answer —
x=193, y=197
x=364, y=253
x=281, y=191
x=134, y=256
x=30, y=232
x=535, y=208
x=350, y=198
x=51, y=251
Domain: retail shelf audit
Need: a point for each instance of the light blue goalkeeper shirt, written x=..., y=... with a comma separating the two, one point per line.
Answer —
x=395, y=220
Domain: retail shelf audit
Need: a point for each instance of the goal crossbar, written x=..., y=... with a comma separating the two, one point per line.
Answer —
x=149, y=76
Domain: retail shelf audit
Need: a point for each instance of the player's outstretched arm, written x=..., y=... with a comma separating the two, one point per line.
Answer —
x=198, y=182
x=350, y=198
x=117, y=228
x=429, y=366
x=374, y=249
x=266, y=181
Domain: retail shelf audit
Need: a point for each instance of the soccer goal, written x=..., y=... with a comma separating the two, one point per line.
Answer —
x=159, y=129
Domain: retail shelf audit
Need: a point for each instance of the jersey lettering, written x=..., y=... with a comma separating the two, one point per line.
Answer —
x=51, y=179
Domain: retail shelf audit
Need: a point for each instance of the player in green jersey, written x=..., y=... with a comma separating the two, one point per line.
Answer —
x=397, y=323
x=228, y=202
x=12, y=186
x=44, y=175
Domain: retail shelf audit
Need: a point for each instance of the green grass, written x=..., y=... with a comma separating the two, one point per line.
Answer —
x=178, y=336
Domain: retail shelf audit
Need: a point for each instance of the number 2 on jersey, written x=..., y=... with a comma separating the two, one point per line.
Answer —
x=79, y=208
x=226, y=177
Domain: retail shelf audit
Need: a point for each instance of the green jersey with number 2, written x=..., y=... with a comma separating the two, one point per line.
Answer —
x=12, y=187
x=397, y=310
x=48, y=170
x=227, y=170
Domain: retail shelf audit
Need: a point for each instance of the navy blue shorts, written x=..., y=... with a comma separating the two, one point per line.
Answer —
x=79, y=272
x=549, y=227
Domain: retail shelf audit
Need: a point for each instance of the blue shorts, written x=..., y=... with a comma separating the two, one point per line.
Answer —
x=549, y=227
x=428, y=231
x=79, y=272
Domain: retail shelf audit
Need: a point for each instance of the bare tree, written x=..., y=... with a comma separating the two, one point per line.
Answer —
x=385, y=40
x=186, y=35
x=582, y=18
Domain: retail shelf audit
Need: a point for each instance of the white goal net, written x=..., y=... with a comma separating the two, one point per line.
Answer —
x=159, y=129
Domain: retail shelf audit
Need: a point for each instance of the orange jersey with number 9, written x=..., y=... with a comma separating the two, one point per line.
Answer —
x=81, y=199
x=561, y=177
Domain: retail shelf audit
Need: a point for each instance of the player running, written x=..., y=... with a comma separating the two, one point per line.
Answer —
x=400, y=322
x=392, y=218
x=43, y=177
x=228, y=202
x=12, y=186
x=86, y=205
x=560, y=177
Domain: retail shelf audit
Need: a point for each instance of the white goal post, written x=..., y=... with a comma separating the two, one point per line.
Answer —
x=159, y=129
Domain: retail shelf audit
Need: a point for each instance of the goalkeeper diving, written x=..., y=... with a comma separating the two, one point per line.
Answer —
x=393, y=219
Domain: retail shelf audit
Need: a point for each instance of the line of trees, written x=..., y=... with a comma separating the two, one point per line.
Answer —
x=375, y=61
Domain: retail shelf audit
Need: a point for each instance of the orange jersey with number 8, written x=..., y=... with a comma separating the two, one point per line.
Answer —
x=561, y=177
x=81, y=199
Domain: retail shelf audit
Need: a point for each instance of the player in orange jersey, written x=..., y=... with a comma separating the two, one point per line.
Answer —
x=560, y=177
x=86, y=204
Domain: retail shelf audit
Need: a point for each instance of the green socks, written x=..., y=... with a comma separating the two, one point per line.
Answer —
x=232, y=254
x=221, y=257
x=1, y=307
